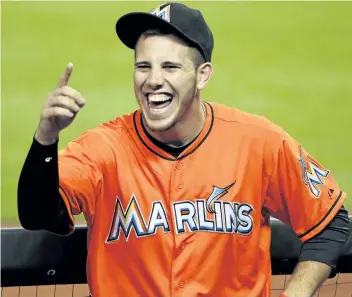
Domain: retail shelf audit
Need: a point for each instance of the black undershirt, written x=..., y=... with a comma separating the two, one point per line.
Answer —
x=40, y=205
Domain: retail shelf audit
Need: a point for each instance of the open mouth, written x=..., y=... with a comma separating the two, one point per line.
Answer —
x=159, y=101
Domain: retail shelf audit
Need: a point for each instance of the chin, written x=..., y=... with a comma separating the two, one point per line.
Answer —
x=163, y=125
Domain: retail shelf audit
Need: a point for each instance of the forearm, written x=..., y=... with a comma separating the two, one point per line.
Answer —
x=307, y=277
x=40, y=205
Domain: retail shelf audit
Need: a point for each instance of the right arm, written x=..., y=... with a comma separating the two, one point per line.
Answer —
x=40, y=205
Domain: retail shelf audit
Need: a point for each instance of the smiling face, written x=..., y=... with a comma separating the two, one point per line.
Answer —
x=165, y=80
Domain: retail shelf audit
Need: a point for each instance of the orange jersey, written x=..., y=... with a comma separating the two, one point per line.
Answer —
x=197, y=225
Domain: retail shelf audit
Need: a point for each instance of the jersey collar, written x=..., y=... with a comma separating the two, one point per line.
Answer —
x=137, y=120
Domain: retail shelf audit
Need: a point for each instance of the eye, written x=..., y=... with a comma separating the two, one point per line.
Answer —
x=142, y=66
x=171, y=67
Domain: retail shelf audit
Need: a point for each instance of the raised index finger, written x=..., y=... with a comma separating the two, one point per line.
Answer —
x=63, y=81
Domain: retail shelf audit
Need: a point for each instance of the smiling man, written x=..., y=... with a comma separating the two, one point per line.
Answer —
x=168, y=80
x=178, y=194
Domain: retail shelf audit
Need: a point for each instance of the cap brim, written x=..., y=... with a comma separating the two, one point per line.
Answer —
x=130, y=27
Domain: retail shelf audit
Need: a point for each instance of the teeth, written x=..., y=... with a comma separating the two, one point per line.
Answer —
x=158, y=97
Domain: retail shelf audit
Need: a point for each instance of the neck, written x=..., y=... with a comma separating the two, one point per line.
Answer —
x=187, y=128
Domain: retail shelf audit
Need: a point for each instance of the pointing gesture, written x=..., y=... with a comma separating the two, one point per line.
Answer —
x=63, y=81
x=59, y=110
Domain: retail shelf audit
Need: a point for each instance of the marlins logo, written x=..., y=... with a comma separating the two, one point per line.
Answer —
x=311, y=176
x=163, y=13
x=216, y=195
x=199, y=215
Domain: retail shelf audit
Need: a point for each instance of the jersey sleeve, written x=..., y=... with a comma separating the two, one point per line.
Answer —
x=301, y=191
x=80, y=177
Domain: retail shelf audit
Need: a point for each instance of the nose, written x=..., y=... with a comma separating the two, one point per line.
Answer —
x=155, y=79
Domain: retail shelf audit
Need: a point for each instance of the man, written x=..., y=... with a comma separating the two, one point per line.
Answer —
x=178, y=194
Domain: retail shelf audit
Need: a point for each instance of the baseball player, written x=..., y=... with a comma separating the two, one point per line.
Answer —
x=178, y=194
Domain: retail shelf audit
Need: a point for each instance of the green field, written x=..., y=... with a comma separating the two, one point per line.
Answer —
x=289, y=61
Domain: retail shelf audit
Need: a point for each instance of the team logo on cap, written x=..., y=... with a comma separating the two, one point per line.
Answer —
x=162, y=13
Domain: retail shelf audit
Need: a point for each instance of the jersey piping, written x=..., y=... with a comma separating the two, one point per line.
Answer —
x=323, y=219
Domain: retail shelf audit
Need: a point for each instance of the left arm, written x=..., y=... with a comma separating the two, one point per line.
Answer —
x=318, y=257
x=307, y=277
x=305, y=195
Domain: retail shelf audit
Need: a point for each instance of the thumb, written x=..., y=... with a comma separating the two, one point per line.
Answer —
x=63, y=81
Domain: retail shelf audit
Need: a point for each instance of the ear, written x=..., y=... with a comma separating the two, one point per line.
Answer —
x=204, y=73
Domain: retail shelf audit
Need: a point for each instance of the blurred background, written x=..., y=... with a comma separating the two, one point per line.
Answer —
x=288, y=61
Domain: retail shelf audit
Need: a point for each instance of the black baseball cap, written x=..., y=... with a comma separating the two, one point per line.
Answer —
x=172, y=17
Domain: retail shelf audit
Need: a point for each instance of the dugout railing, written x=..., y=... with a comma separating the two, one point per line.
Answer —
x=39, y=259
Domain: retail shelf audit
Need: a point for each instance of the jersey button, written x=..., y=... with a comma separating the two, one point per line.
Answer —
x=179, y=165
x=180, y=185
x=181, y=284
x=182, y=246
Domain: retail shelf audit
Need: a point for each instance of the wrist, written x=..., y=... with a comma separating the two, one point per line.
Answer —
x=46, y=138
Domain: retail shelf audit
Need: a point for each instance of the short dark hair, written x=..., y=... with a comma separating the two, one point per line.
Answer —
x=197, y=57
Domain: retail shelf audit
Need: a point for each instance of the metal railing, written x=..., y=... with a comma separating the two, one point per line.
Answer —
x=39, y=263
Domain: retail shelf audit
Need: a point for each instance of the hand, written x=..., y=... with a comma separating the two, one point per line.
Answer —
x=59, y=110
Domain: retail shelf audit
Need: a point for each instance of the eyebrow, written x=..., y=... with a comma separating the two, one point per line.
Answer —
x=163, y=63
x=141, y=63
x=172, y=63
